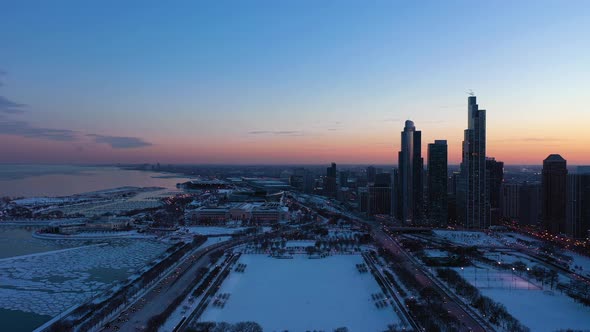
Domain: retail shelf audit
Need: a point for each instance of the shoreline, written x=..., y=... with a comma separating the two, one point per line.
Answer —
x=51, y=252
x=90, y=236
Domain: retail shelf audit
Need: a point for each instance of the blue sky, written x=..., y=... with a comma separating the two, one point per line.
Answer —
x=194, y=80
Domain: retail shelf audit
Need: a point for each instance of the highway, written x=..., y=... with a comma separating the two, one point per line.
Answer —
x=169, y=287
x=456, y=310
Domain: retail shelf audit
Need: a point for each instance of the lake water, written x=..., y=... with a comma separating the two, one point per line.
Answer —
x=61, y=279
x=18, y=180
x=35, y=287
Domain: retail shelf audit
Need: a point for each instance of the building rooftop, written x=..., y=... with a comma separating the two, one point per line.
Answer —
x=554, y=157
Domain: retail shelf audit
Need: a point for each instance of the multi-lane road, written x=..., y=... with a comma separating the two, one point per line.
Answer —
x=450, y=303
x=169, y=287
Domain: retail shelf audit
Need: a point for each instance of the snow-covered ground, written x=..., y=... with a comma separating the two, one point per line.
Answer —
x=300, y=244
x=436, y=253
x=537, y=308
x=469, y=238
x=582, y=263
x=542, y=310
x=486, y=278
x=51, y=282
x=302, y=294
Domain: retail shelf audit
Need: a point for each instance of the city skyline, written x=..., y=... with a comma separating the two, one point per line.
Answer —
x=214, y=85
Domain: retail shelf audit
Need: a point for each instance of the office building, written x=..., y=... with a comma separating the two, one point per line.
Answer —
x=411, y=167
x=554, y=180
x=472, y=201
x=578, y=205
x=494, y=176
x=330, y=184
x=437, y=182
x=529, y=199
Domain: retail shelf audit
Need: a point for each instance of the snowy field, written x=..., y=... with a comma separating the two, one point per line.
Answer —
x=488, y=278
x=302, y=294
x=300, y=244
x=469, y=238
x=539, y=309
x=435, y=253
x=48, y=283
x=582, y=263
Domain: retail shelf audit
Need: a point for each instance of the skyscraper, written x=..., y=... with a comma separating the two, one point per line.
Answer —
x=411, y=167
x=494, y=176
x=330, y=186
x=554, y=193
x=371, y=172
x=437, y=182
x=472, y=195
x=529, y=199
x=302, y=180
x=578, y=205
x=509, y=200
x=380, y=195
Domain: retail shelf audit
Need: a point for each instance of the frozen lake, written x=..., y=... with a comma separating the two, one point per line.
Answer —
x=302, y=294
x=17, y=241
x=41, y=278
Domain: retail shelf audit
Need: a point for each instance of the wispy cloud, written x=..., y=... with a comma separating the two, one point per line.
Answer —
x=532, y=139
x=277, y=132
x=9, y=106
x=24, y=129
x=120, y=142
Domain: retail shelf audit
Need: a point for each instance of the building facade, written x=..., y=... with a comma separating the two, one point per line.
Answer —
x=554, y=182
x=330, y=185
x=438, y=182
x=578, y=205
x=495, y=177
x=411, y=167
x=472, y=200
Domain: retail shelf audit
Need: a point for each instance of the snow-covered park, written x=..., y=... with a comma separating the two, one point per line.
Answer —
x=302, y=294
x=538, y=308
x=468, y=238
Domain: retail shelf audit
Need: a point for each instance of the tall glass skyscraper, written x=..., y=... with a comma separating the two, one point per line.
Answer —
x=437, y=182
x=411, y=167
x=472, y=197
x=553, y=186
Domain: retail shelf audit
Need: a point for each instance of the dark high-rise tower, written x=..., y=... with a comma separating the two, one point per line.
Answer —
x=472, y=198
x=371, y=172
x=553, y=193
x=411, y=166
x=494, y=176
x=578, y=204
x=437, y=182
x=330, y=184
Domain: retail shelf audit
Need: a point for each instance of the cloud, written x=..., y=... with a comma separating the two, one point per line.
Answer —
x=532, y=139
x=10, y=107
x=120, y=142
x=24, y=129
x=277, y=132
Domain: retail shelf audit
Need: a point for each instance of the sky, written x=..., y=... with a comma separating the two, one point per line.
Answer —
x=270, y=82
